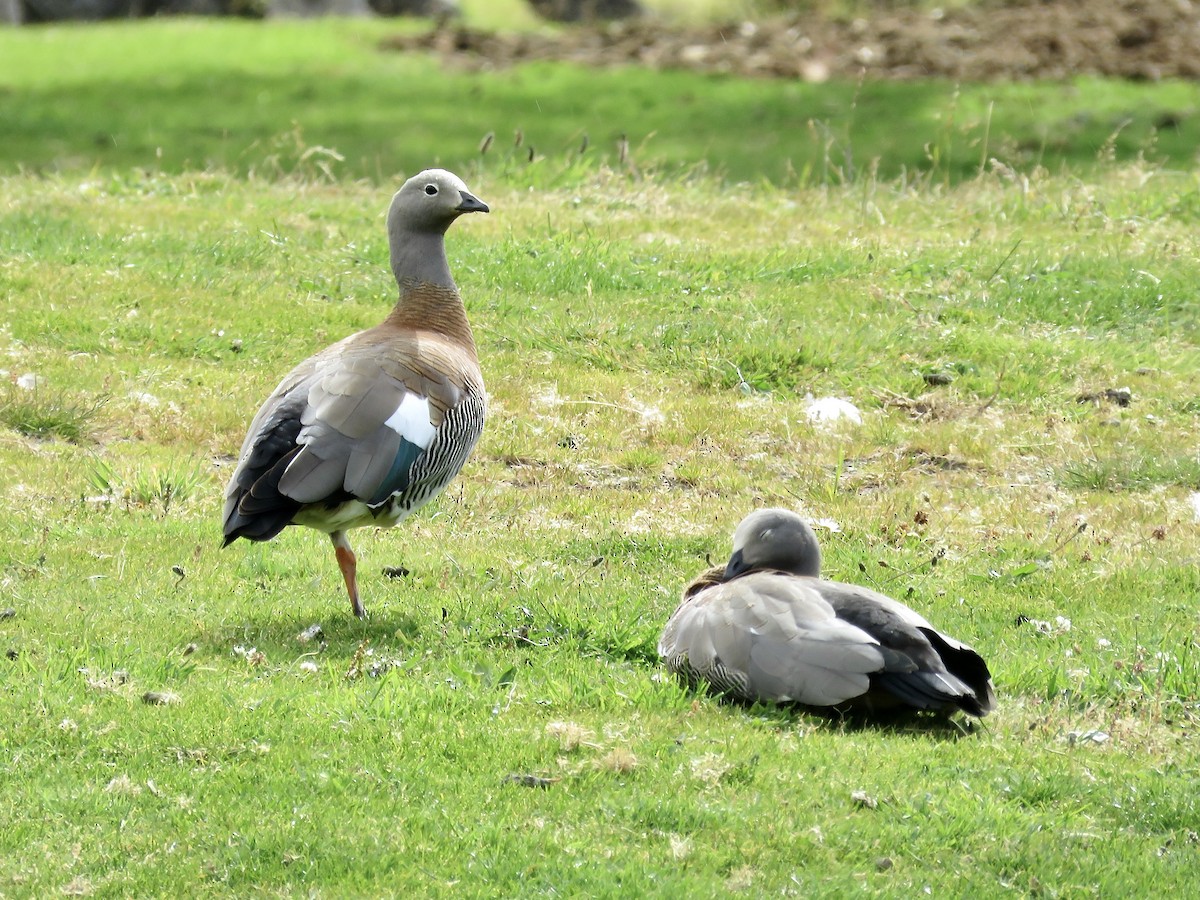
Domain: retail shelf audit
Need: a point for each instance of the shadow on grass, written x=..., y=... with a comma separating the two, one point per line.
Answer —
x=337, y=633
x=934, y=726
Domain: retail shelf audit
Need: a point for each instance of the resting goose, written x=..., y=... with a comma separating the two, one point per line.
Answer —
x=373, y=427
x=767, y=628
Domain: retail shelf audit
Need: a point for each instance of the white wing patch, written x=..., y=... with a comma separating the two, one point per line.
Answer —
x=411, y=421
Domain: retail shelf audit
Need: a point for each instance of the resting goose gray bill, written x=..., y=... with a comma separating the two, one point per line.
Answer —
x=373, y=427
x=766, y=627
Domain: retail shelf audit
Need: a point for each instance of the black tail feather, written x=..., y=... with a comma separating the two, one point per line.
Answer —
x=921, y=690
x=958, y=678
x=967, y=666
x=261, y=511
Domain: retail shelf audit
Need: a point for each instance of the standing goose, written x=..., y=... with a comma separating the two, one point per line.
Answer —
x=767, y=628
x=373, y=427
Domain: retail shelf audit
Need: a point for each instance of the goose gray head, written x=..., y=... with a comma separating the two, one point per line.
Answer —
x=774, y=539
x=430, y=201
x=421, y=211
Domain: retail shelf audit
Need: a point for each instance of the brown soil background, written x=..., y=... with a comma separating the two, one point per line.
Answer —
x=1148, y=40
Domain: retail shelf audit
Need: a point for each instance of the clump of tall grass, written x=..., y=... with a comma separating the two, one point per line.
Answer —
x=1136, y=471
x=45, y=414
x=161, y=487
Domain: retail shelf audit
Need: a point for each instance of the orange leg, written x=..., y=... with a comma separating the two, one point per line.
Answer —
x=349, y=566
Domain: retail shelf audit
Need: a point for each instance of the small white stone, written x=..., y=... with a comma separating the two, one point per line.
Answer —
x=830, y=525
x=830, y=411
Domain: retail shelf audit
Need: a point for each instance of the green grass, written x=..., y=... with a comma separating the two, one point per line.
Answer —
x=326, y=97
x=36, y=412
x=620, y=453
x=499, y=726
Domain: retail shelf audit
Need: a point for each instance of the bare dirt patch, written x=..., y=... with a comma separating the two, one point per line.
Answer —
x=1021, y=40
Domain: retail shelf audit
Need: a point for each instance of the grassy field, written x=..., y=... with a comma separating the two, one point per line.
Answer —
x=499, y=726
x=314, y=98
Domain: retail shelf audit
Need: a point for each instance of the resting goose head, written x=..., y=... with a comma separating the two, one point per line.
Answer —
x=774, y=539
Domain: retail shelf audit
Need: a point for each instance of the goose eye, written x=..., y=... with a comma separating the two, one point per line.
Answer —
x=431, y=189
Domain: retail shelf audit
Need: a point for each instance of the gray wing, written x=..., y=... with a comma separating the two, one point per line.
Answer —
x=355, y=422
x=369, y=417
x=770, y=636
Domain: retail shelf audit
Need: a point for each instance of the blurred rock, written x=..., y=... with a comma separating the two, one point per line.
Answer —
x=254, y=9
x=87, y=10
x=434, y=9
x=1019, y=39
x=312, y=9
x=95, y=10
x=586, y=10
x=830, y=412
